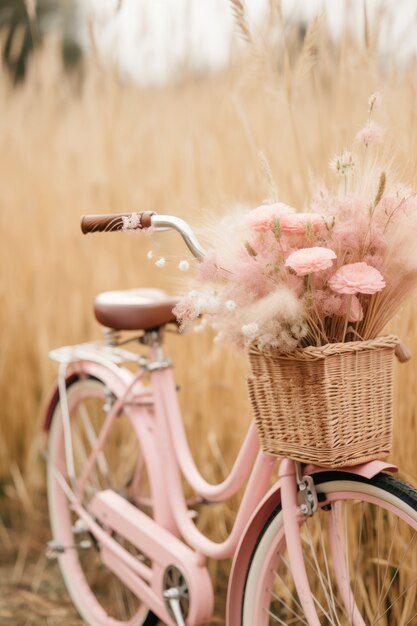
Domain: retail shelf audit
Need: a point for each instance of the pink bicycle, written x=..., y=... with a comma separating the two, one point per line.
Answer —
x=319, y=546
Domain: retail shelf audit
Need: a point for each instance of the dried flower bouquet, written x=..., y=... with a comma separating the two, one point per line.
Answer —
x=339, y=271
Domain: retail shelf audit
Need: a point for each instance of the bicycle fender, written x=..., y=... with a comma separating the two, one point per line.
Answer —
x=367, y=470
x=85, y=368
x=258, y=520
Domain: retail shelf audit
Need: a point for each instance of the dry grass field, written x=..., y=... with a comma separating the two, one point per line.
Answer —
x=189, y=149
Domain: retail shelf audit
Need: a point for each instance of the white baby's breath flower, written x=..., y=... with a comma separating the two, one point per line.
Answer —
x=149, y=254
x=193, y=294
x=250, y=330
x=161, y=262
x=210, y=304
x=219, y=337
x=198, y=328
x=183, y=266
x=230, y=305
x=343, y=164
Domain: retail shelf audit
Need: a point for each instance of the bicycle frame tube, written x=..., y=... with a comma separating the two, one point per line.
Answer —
x=336, y=523
x=291, y=513
x=164, y=384
x=168, y=420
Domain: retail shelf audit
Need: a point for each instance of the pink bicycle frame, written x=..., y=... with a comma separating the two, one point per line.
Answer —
x=158, y=424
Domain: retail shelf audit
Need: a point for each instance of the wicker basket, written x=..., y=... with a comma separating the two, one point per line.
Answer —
x=331, y=406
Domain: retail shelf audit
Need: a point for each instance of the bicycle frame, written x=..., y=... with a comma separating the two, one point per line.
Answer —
x=156, y=419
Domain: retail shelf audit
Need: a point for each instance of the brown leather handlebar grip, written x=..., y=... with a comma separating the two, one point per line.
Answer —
x=116, y=221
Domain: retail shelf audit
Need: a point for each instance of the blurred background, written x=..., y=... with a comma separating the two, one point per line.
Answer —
x=183, y=107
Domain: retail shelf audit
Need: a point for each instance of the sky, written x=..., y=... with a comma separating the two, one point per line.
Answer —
x=151, y=40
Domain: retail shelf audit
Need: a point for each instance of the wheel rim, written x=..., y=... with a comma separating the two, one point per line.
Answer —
x=382, y=573
x=99, y=595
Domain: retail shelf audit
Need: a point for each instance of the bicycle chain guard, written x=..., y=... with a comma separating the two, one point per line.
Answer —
x=110, y=514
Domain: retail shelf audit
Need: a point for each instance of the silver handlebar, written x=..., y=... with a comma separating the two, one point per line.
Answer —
x=169, y=222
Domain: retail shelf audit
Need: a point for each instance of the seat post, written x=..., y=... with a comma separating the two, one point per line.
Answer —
x=154, y=339
x=111, y=337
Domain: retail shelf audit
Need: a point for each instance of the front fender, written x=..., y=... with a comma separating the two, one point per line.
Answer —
x=254, y=528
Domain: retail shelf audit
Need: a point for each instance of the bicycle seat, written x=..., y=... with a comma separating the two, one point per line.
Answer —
x=134, y=309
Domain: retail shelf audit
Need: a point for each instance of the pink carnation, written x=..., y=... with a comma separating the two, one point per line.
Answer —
x=370, y=134
x=308, y=260
x=297, y=223
x=262, y=218
x=357, y=278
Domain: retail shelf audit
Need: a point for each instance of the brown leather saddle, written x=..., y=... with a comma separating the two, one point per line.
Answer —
x=134, y=309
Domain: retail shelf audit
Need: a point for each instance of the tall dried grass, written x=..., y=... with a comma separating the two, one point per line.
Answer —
x=183, y=149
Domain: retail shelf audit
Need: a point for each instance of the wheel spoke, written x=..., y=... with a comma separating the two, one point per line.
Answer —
x=289, y=609
x=394, y=577
x=318, y=572
x=92, y=439
x=328, y=577
x=276, y=574
x=277, y=619
x=411, y=620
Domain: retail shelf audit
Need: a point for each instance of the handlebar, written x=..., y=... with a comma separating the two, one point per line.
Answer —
x=140, y=221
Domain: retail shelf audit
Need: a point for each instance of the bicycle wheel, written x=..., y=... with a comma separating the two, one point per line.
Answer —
x=364, y=530
x=99, y=596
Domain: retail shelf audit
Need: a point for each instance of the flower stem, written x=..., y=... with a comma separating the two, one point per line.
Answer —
x=347, y=318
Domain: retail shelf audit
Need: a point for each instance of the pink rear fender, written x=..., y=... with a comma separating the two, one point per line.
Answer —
x=75, y=370
x=261, y=515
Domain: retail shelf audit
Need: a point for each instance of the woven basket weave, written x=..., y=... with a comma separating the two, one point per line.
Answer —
x=331, y=406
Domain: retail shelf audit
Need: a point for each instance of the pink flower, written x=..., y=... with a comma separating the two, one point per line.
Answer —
x=308, y=260
x=297, y=223
x=262, y=218
x=370, y=134
x=357, y=278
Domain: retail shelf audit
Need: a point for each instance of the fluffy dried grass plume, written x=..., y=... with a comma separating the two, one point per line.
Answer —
x=31, y=9
x=241, y=23
x=278, y=318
